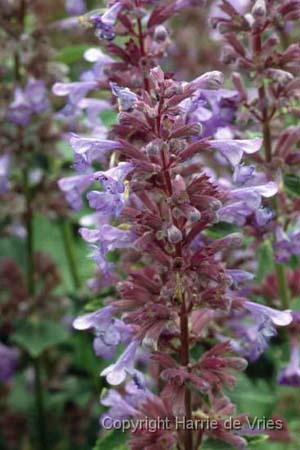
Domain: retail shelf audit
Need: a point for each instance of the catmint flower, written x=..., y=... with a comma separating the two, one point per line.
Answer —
x=215, y=109
x=104, y=24
x=117, y=373
x=4, y=167
x=93, y=107
x=36, y=93
x=97, y=71
x=109, y=333
x=290, y=375
x=245, y=201
x=251, y=338
x=123, y=407
x=263, y=216
x=209, y=80
x=32, y=100
x=9, y=358
x=119, y=407
x=75, y=91
x=19, y=111
x=126, y=98
x=75, y=7
x=111, y=201
x=94, y=319
x=109, y=236
x=113, y=179
x=73, y=187
x=242, y=174
x=286, y=244
x=90, y=149
x=278, y=318
x=233, y=150
x=105, y=203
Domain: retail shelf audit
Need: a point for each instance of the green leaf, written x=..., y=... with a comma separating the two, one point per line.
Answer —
x=112, y=440
x=72, y=54
x=256, y=440
x=212, y=444
x=37, y=336
x=265, y=260
x=292, y=183
x=109, y=117
x=20, y=399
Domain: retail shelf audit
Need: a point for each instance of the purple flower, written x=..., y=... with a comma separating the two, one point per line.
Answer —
x=73, y=187
x=209, y=80
x=19, y=111
x=105, y=203
x=104, y=25
x=119, y=407
x=116, y=373
x=97, y=71
x=290, y=375
x=37, y=96
x=9, y=358
x=112, y=200
x=93, y=108
x=112, y=180
x=122, y=407
x=75, y=7
x=127, y=99
x=244, y=201
x=109, y=332
x=278, y=318
x=110, y=237
x=75, y=91
x=263, y=216
x=285, y=244
x=242, y=174
x=4, y=166
x=89, y=149
x=32, y=100
x=233, y=150
x=251, y=337
x=239, y=276
x=252, y=334
x=213, y=109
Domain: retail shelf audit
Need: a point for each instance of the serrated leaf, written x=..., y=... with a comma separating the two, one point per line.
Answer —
x=37, y=336
x=292, y=183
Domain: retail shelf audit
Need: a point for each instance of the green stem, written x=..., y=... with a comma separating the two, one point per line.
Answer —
x=283, y=288
x=29, y=233
x=70, y=252
x=39, y=402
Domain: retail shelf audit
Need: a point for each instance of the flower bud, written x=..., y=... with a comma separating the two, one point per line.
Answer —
x=281, y=76
x=259, y=9
x=239, y=85
x=209, y=80
x=174, y=235
x=152, y=149
x=160, y=33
